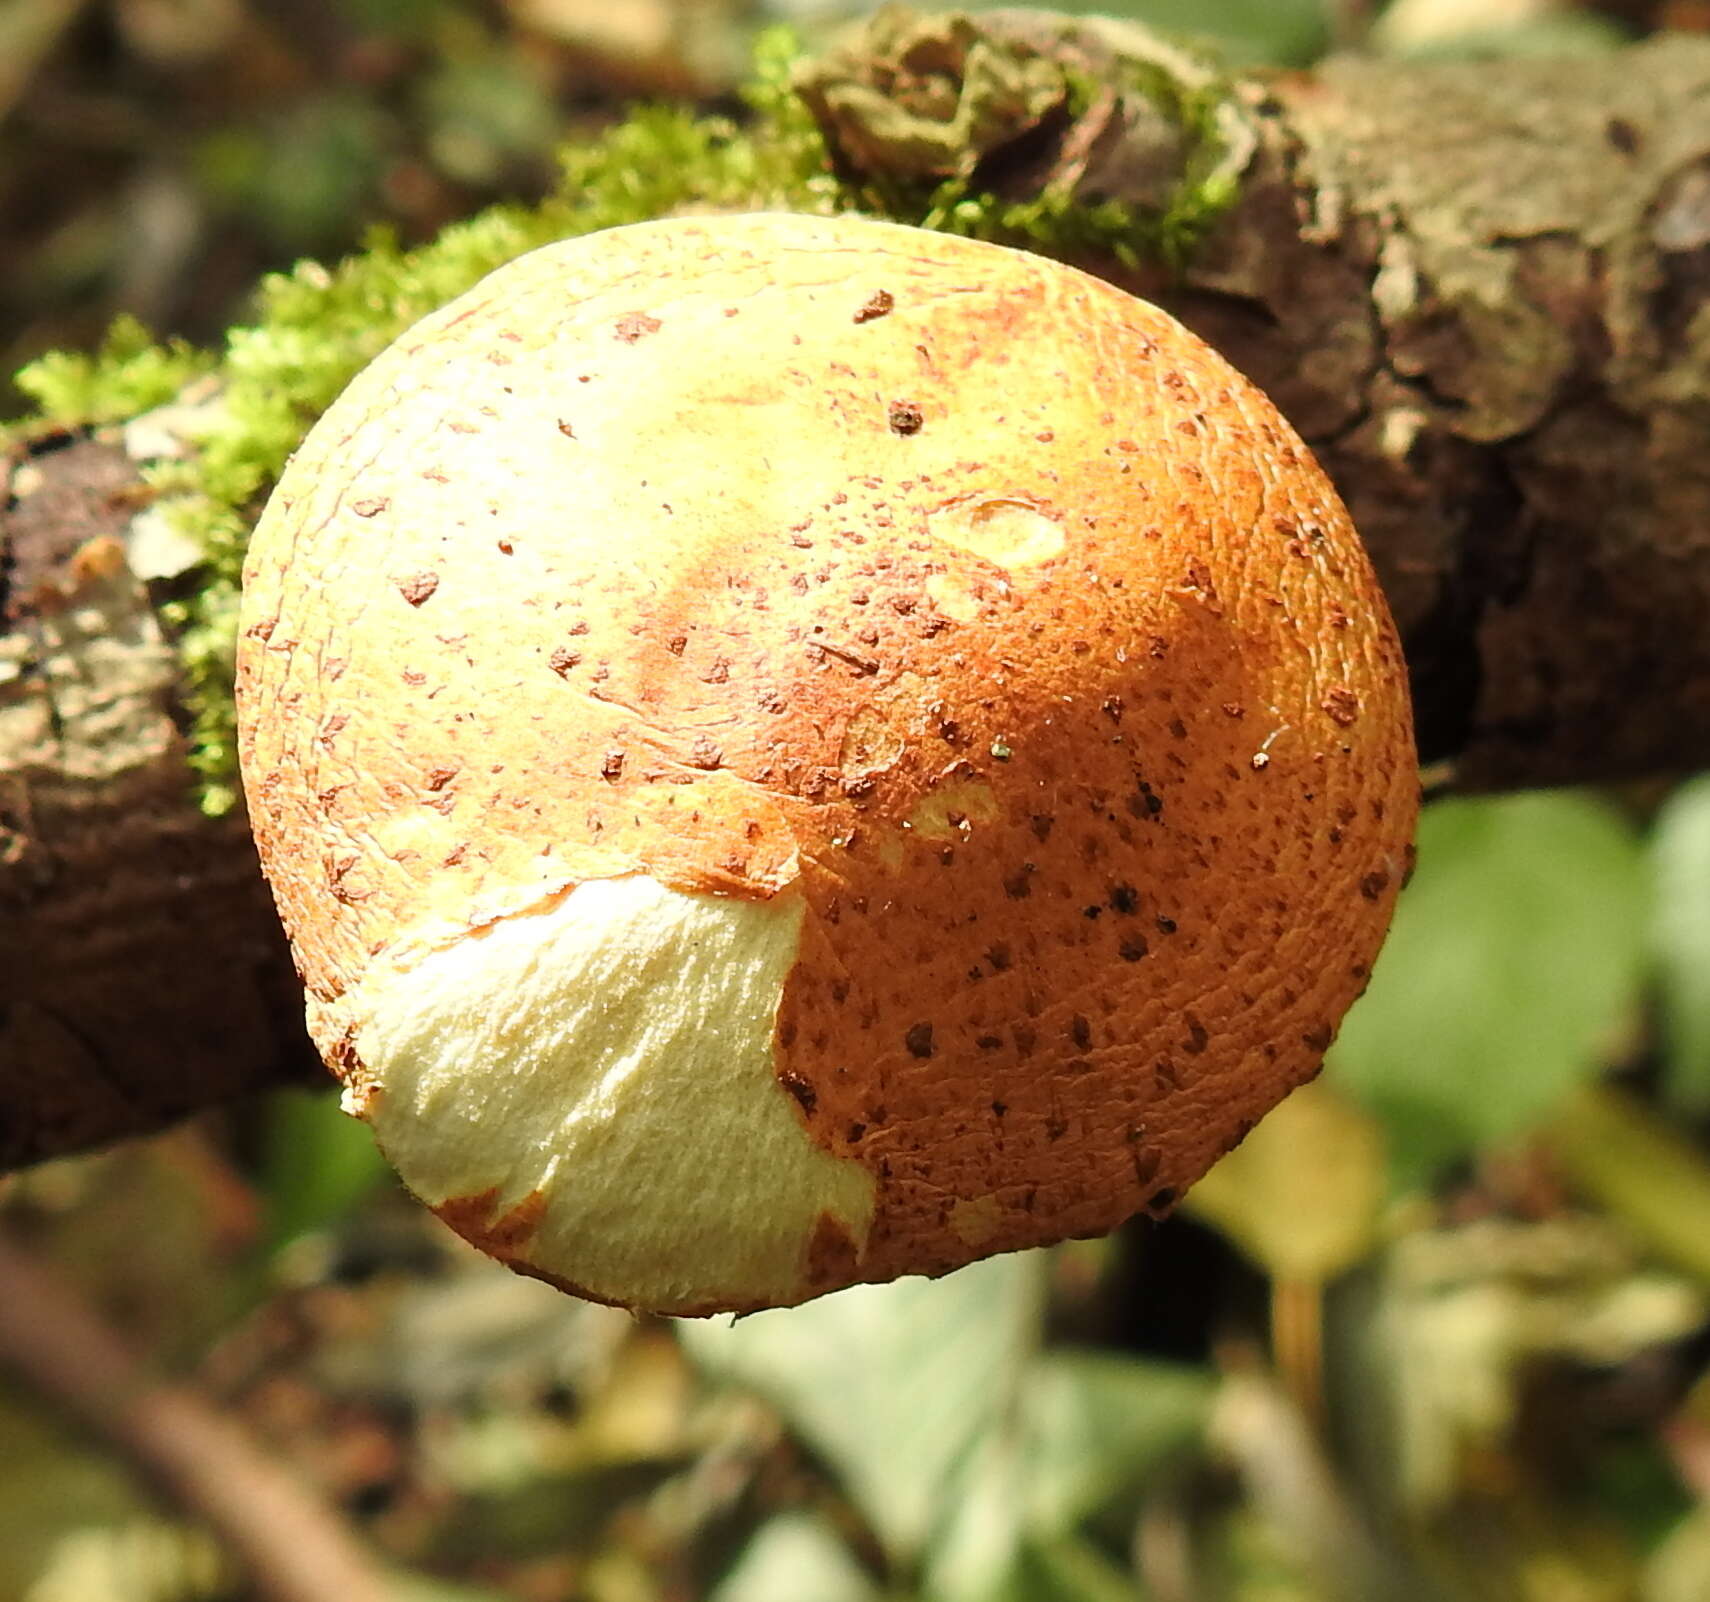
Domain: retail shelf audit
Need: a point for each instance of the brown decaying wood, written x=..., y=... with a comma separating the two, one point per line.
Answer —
x=1478, y=290
x=142, y=975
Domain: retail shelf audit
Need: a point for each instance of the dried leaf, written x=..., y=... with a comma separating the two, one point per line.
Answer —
x=1301, y=1195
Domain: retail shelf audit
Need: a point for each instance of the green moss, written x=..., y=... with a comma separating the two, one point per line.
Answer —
x=316, y=327
x=129, y=374
x=1216, y=153
x=1056, y=223
x=206, y=627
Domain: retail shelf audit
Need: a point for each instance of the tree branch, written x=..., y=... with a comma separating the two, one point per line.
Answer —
x=296, y=1548
x=143, y=974
x=1480, y=290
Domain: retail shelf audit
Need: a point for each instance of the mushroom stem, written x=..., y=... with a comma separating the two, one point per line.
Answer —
x=1297, y=1343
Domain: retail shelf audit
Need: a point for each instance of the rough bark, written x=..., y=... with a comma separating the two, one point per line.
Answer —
x=142, y=972
x=1481, y=290
x=1495, y=330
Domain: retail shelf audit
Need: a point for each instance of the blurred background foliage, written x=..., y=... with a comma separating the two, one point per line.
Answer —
x=158, y=156
x=1438, y=1332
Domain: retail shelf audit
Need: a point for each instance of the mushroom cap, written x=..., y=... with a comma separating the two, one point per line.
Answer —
x=794, y=751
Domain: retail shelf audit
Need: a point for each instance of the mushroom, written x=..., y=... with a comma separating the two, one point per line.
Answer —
x=794, y=751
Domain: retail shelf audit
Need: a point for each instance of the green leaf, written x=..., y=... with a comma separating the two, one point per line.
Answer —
x=1066, y=1568
x=975, y=1554
x=1247, y=32
x=1089, y=1430
x=53, y=1483
x=137, y=1561
x=891, y=1384
x=1647, y=1175
x=1244, y=32
x=1432, y=29
x=1680, y=938
x=794, y=1557
x=1302, y=1194
x=1679, y=1569
x=412, y=1587
x=1024, y=1566
x=1513, y=964
x=1095, y=1426
x=317, y=1164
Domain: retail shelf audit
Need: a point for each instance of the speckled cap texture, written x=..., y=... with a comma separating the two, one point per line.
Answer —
x=961, y=602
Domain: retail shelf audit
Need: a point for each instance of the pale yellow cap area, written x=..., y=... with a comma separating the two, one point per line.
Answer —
x=589, y=1092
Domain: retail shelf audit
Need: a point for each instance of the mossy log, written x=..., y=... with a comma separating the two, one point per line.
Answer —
x=1480, y=290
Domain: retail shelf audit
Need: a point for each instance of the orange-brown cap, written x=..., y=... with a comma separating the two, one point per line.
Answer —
x=795, y=751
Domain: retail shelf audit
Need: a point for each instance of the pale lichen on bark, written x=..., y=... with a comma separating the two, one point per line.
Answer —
x=141, y=972
x=1528, y=457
